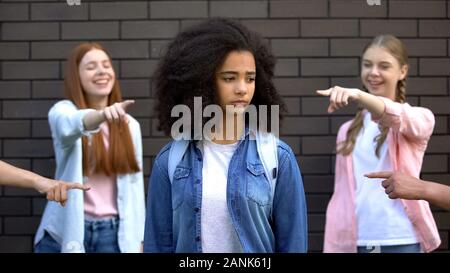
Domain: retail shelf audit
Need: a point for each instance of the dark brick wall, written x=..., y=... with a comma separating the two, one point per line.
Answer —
x=317, y=43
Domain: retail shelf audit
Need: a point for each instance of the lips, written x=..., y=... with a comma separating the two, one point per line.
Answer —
x=375, y=84
x=102, y=82
x=239, y=103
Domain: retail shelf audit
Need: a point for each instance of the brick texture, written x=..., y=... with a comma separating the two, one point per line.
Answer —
x=418, y=9
x=317, y=43
x=355, y=9
x=234, y=9
x=176, y=9
x=125, y=10
x=58, y=12
x=13, y=12
x=298, y=9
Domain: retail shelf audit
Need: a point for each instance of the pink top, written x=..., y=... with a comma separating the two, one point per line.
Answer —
x=410, y=130
x=101, y=200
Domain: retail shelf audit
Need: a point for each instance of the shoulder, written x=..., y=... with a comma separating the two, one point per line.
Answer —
x=163, y=155
x=61, y=108
x=284, y=151
x=63, y=105
x=283, y=148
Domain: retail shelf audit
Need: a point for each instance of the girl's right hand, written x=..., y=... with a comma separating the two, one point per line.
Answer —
x=339, y=96
x=117, y=112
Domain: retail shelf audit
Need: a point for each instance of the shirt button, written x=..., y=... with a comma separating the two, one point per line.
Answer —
x=197, y=238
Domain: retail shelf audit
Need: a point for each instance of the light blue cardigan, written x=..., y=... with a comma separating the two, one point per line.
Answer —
x=66, y=224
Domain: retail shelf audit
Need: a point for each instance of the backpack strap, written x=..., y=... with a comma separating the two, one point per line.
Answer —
x=266, y=144
x=176, y=153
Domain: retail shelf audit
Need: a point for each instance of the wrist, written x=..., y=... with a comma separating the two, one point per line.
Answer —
x=359, y=95
x=102, y=115
x=424, y=190
x=38, y=184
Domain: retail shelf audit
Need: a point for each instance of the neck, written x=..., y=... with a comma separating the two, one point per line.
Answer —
x=232, y=128
x=97, y=103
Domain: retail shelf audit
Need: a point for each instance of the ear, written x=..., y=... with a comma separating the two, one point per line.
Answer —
x=403, y=71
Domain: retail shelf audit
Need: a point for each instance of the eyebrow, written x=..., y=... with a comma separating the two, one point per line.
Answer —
x=236, y=73
x=93, y=62
x=365, y=60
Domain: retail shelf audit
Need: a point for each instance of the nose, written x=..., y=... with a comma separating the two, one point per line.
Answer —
x=374, y=71
x=241, y=87
x=101, y=70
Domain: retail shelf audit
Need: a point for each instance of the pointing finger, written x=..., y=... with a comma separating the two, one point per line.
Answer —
x=127, y=103
x=379, y=175
x=325, y=93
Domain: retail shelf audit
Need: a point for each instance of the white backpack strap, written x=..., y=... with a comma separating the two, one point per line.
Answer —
x=266, y=144
x=176, y=153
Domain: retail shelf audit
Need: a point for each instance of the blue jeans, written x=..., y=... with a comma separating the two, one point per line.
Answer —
x=100, y=236
x=412, y=248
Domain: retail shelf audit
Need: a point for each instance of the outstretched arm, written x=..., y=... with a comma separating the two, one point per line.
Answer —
x=113, y=113
x=340, y=97
x=404, y=186
x=55, y=190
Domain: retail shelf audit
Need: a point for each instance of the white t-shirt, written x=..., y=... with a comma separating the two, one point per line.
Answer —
x=381, y=221
x=218, y=233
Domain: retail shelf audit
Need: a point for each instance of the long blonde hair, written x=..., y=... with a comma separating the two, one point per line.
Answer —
x=396, y=48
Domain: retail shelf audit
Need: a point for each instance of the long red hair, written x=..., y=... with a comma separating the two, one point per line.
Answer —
x=120, y=158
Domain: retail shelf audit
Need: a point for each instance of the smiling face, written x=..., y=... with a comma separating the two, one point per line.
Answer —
x=97, y=77
x=381, y=71
x=235, y=80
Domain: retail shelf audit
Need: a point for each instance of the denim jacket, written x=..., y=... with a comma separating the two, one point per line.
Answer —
x=173, y=221
x=66, y=224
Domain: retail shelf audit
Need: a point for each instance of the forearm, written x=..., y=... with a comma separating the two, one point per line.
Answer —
x=93, y=119
x=372, y=103
x=437, y=194
x=12, y=176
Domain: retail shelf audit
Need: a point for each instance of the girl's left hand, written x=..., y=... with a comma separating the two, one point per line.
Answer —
x=339, y=96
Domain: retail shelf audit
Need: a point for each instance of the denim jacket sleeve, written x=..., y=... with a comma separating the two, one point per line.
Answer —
x=289, y=205
x=158, y=221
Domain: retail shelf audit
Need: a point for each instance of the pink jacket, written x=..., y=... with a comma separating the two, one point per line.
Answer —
x=411, y=128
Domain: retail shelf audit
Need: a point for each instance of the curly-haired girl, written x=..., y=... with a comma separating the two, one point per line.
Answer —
x=220, y=199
